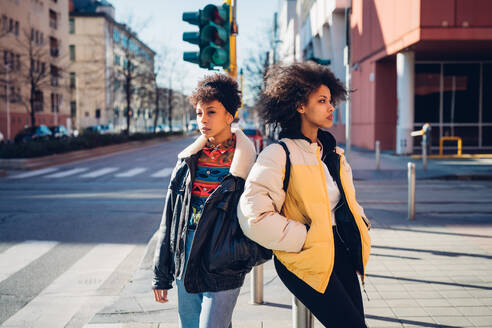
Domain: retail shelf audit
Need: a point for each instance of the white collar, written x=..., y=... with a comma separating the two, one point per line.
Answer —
x=244, y=154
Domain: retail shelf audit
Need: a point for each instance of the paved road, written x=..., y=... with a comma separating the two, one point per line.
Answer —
x=71, y=236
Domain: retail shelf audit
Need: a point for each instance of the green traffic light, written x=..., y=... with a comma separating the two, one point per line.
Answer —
x=192, y=17
x=213, y=36
x=192, y=37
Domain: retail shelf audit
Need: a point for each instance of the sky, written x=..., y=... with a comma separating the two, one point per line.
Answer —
x=159, y=24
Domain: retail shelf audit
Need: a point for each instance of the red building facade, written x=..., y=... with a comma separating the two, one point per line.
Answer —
x=418, y=61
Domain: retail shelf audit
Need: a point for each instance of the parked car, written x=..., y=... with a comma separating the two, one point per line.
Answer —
x=159, y=128
x=40, y=132
x=59, y=131
x=192, y=126
x=106, y=128
x=255, y=136
x=94, y=129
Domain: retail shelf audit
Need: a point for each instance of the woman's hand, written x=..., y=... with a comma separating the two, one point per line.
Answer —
x=160, y=295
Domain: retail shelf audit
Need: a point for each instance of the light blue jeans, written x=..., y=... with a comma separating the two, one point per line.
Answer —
x=204, y=310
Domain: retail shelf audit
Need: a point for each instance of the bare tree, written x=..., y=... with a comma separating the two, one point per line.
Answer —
x=29, y=64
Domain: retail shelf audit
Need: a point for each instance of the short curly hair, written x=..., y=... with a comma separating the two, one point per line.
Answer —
x=289, y=86
x=219, y=87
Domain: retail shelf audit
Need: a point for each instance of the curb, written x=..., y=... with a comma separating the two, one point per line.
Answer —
x=57, y=159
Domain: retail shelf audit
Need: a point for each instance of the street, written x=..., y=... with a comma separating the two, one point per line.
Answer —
x=71, y=237
x=73, y=249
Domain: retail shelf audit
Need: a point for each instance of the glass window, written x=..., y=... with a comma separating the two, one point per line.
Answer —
x=487, y=94
x=117, y=60
x=71, y=25
x=72, y=52
x=53, y=19
x=73, y=108
x=427, y=93
x=461, y=93
x=72, y=80
x=116, y=36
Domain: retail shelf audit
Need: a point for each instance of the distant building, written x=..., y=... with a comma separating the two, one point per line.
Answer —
x=101, y=51
x=33, y=57
x=411, y=62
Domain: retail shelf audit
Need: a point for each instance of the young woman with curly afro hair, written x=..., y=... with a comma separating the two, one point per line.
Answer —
x=300, y=200
x=200, y=243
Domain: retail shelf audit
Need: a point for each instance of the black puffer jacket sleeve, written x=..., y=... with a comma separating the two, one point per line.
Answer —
x=163, y=257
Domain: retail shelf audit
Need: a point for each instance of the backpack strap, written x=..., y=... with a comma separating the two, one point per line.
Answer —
x=287, y=165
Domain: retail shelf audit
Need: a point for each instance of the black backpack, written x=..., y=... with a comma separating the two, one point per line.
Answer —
x=287, y=165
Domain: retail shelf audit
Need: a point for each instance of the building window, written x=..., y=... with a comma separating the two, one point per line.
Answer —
x=98, y=113
x=116, y=85
x=116, y=111
x=72, y=52
x=54, y=75
x=72, y=80
x=73, y=109
x=55, y=102
x=116, y=36
x=53, y=46
x=124, y=40
x=38, y=101
x=53, y=19
x=11, y=25
x=117, y=60
x=71, y=25
x=5, y=24
x=17, y=62
x=16, y=30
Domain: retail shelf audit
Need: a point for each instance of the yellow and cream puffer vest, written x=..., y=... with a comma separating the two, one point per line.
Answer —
x=276, y=220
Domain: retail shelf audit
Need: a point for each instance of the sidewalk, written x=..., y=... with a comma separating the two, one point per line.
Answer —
x=435, y=271
x=363, y=163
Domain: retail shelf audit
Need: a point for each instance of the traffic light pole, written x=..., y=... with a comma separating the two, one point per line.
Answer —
x=232, y=70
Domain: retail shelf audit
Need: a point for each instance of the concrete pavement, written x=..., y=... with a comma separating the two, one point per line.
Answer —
x=435, y=271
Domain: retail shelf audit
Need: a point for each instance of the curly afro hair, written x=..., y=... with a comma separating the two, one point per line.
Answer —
x=289, y=86
x=219, y=87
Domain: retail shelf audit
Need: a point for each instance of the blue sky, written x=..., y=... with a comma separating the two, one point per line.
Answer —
x=159, y=24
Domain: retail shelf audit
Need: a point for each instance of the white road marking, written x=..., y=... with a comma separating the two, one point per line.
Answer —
x=131, y=173
x=163, y=173
x=21, y=255
x=66, y=173
x=60, y=301
x=34, y=173
x=100, y=172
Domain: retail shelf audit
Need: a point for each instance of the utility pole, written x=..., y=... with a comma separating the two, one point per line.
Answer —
x=232, y=70
x=7, y=69
x=346, y=58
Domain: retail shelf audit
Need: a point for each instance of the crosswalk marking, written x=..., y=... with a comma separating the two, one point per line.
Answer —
x=57, y=303
x=19, y=256
x=54, y=173
x=99, y=173
x=163, y=173
x=66, y=173
x=34, y=173
x=131, y=172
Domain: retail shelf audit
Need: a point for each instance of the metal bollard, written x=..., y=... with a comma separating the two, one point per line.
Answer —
x=411, y=191
x=424, y=151
x=378, y=156
x=301, y=316
x=257, y=285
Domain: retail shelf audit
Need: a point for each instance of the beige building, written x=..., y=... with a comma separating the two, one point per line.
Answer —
x=104, y=56
x=34, y=58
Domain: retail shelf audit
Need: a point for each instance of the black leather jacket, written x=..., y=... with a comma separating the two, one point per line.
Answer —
x=210, y=268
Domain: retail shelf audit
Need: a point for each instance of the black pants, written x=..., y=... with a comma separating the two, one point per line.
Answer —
x=341, y=304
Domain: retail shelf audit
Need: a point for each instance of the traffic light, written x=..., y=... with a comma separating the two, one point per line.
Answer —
x=212, y=38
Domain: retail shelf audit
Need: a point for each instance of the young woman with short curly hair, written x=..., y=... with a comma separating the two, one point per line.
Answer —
x=318, y=231
x=200, y=242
